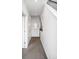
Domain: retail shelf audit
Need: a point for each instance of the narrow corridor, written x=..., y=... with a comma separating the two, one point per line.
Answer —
x=34, y=51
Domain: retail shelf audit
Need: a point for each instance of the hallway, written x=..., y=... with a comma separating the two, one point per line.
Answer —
x=34, y=51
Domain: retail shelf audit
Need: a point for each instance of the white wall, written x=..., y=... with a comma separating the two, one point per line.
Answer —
x=25, y=32
x=24, y=9
x=35, y=21
x=26, y=24
x=26, y=27
x=49, y=33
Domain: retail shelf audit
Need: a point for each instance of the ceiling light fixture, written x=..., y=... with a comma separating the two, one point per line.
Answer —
x=36, y=0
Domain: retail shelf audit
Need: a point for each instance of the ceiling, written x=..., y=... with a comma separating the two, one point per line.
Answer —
x=34, y=7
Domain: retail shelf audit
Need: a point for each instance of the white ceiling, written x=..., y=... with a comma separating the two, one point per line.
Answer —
x=34, y=7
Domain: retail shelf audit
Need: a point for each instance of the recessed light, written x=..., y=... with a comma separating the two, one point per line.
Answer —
x=36, y=0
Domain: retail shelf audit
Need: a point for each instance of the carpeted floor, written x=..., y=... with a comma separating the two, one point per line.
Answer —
x=34, y=51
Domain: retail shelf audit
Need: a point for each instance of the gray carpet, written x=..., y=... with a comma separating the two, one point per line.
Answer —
x=34, y=50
